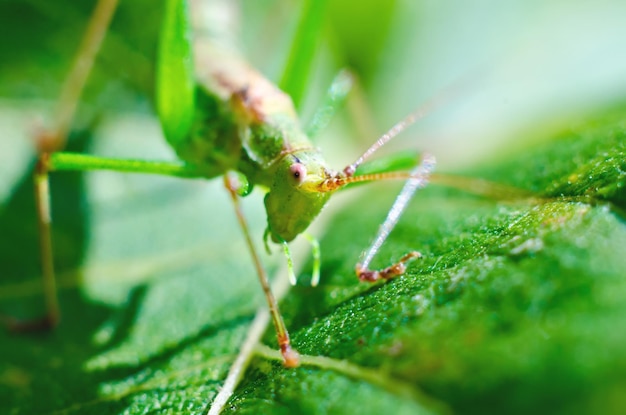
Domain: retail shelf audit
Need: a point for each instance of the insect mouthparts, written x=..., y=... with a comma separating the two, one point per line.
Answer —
x=332, y=183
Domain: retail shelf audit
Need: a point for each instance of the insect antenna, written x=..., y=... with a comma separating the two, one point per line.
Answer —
x=347, y=175
x=396, y=129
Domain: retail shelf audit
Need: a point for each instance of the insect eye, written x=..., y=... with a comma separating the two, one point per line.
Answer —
x=298, y=172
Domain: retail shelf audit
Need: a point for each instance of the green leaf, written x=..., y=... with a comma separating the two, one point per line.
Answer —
x=517, y=306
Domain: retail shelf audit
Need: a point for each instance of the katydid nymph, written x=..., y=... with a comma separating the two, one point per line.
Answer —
x=223, y=118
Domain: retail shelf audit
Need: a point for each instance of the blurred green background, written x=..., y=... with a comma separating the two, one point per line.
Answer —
x=156, y=287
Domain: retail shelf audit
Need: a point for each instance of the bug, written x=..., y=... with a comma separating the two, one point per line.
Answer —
x=222, y=116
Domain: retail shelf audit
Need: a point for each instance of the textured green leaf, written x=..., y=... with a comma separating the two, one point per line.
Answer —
x=517, y=305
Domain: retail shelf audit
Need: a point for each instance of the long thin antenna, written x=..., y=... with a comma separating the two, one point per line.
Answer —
x=407, y=121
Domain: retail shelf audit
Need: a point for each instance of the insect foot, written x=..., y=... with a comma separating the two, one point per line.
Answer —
x=291, y=358
x=395, y=270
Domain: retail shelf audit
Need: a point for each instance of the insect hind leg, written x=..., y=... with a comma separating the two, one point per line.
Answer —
x=51, y=316
x=47, y=142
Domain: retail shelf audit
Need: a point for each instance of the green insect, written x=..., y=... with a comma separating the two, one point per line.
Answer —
x=223, y=118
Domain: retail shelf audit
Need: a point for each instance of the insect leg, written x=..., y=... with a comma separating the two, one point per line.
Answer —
x=47, y=142
x=292, y=274
x=62, y=161
x=73, y=86
x=335, y=96
x=52, y=314
x=315, y=250
x=419, y=178
x=290, y=356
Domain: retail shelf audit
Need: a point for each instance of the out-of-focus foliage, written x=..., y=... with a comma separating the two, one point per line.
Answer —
x=517, y=306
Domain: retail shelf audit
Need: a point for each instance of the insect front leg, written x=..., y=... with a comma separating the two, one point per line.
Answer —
x=290, y=356
x=418, y=179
